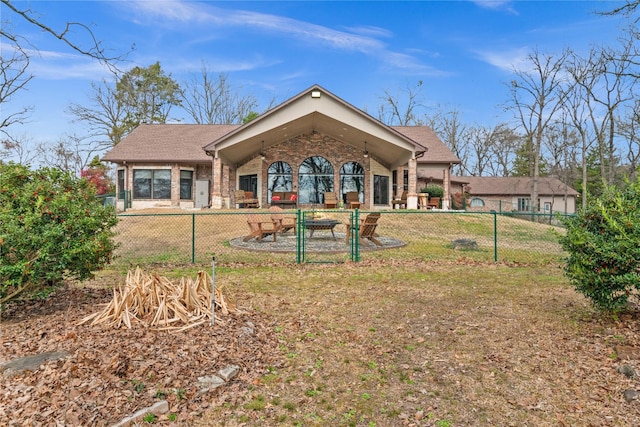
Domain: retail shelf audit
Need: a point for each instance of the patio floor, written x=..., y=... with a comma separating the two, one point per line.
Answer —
x=322, y=241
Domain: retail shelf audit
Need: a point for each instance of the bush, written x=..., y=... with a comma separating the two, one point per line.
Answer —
x=604, y=254
x=433, y=190
x=51, y=228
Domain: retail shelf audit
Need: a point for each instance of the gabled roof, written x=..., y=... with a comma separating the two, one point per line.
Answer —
x=161, y=143
x=316, y=109
x=515, y=186
x=436, y=152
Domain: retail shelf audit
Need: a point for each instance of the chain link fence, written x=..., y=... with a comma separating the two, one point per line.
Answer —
x=151, y=238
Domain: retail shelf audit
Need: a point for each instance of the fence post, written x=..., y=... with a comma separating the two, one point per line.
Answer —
x=193, y=238
x=299, y=233
x=495, y=236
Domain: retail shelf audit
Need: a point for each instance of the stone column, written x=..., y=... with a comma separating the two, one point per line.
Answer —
x=446, y=184
x=216, y=185
x=175, y=186
x=412, y=192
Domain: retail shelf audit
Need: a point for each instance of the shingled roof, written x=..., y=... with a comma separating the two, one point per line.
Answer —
x=515, y=186
x=171, y=143
x=437, y=152
x=183, y=143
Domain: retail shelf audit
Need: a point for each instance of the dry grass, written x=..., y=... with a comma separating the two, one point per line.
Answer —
x=438, y=344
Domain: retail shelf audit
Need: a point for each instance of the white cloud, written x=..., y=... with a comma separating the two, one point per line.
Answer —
x=505, y=60
x=502, y=5
x=363, y=39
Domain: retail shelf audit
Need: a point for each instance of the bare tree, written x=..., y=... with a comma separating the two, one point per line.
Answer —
x=93, y=48
x=211, y=100
x=629, y=128
x=103, y=118
x=455, y=134
x=576, y=111
x=397, y=111
x=13, y=78
x=21, y=150
x=70, y=153
x=503, y=145
x=535, y=100
x=607, y=85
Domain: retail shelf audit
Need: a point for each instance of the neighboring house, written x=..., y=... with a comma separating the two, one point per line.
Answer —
x=513, y=194
x=311, y=144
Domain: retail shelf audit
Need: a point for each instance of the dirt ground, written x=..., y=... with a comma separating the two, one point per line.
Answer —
x=416, y=344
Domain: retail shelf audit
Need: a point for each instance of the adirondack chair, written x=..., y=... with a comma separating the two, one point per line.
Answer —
x=401, y=202
x=284, y=221
x=245, y=199
x=330, y=201
x=367, y=230
x=353, y=199
x=261, y=226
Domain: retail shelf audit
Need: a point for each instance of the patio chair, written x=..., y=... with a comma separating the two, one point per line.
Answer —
x=284, y=221
x=401, y=201
x=367, y=230
x=353, y=199
x=330, y=201
x=245, y=199
x=434, y=203
x=261, y=226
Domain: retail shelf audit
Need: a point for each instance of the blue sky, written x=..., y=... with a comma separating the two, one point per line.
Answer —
x=462, y=51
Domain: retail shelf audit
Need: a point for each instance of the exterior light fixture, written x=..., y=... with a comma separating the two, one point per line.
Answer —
x=365, y=153
x=315, y=94
x=262, y=155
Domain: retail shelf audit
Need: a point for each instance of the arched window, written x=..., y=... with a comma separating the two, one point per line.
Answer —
x=476, y=202
x=352, y=179
x=280, y=178
x=315, y=177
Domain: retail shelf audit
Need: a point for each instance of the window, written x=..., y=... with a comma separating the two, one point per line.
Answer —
x=280, y=178
x=152, y=184
x=352, y=179
x=315, y=177
x=186, y=185
x=524, y=204
x=380, y=190
x=249, y=183
x=476, y=203
x=121, y=189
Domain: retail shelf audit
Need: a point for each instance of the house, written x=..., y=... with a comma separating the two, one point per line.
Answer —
x=312, y=143
x=513, y=194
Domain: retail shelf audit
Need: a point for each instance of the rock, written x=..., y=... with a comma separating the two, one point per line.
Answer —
x=631, y=395
x=229, y=372
x=627, y=371
x=248, y=329
x=158, y=408
x=31, y=363
x=210, y=382
x=464, y=244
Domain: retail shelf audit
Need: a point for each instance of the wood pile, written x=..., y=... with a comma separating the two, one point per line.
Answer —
x=156, y=302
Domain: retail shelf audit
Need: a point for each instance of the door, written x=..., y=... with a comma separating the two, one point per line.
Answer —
x=249, y=183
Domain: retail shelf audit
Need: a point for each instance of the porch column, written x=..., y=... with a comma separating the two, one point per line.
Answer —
x=216, y=187
x=226, y=194
x=412, y=191
x=175, y=185
x=446, y=184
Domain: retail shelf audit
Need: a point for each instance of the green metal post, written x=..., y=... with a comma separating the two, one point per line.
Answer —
x=193, y=238
x=495, y=236
x=299, y=233
x=356, y=235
